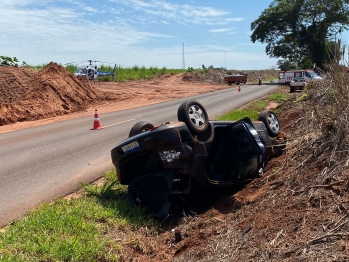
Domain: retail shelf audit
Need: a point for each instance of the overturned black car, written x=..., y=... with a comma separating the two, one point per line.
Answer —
x=156, y=162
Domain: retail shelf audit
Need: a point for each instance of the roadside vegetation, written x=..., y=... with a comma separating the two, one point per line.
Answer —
x=75, y=229
x=132, y=73
x=253, y=109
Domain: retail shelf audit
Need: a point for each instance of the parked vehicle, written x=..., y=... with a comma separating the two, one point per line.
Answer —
x=158, y=161
x=308, y=75
x=281, y=79
x=297, y=83
x=238, y=78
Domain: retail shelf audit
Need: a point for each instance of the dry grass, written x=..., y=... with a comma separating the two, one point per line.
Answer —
x=298, y=211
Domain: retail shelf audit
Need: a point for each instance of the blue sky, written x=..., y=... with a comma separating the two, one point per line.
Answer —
x=134, y=32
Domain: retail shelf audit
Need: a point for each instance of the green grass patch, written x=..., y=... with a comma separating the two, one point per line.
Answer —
x=303, y=97
x=74, y=229
x=239, y=114
x=258, y=105
x=279, y=97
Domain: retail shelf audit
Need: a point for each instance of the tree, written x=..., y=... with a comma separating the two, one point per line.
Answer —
x=285, y=65
x=8, y=61
x=300, y=30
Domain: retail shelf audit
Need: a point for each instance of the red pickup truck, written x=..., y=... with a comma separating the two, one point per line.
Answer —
x=238, y=78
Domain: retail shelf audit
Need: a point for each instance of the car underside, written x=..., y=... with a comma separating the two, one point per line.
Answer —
x=156, y=162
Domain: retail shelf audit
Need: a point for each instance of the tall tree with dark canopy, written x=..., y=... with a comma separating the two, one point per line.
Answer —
x=301, y=30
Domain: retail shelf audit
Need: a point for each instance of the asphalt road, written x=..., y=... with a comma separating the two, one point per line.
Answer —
x=46, y=162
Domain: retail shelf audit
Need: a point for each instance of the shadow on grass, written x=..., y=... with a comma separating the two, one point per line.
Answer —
x=200, y=199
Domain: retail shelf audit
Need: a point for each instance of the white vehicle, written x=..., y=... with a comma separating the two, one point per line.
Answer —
x=281, y=80
x=308, y=75
x=297, y=83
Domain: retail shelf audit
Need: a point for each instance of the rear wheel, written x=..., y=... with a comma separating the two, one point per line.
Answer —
x=140, y=127
x=271, y=122
x=194, y=115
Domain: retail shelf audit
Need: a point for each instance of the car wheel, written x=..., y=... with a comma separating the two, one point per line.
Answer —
x=291, y=89
x=271, y=122
x=194, y=115
x=140, y=127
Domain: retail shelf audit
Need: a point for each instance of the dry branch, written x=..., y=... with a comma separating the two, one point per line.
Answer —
x=328, y=235
x=319, y=186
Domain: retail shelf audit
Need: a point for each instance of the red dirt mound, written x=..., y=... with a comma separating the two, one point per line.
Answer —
x=31, y=95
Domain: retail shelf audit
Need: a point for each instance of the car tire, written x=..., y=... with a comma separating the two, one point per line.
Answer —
x=140, y=127
x=291, y=89
x=194, y=115
x=271, y=122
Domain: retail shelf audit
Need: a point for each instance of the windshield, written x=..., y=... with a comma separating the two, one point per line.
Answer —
x=312, y=73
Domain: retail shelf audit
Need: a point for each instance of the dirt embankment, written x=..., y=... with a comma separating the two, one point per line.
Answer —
x=26, y=94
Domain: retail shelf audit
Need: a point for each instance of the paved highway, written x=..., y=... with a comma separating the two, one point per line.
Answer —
x=46, y=162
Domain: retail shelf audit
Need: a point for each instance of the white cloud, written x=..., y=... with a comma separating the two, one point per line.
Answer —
x=220, y=30
x=186, y=13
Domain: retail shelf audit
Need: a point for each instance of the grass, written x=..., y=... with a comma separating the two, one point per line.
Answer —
x=239, y=114
x=278, y=97
x=73, y=229
x=253, y=109
x=132, y=73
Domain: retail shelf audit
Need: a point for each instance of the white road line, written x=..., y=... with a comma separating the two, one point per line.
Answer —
x=119, y=123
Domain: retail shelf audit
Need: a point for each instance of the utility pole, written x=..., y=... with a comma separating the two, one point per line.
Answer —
x=225, y=60
x=183, y=62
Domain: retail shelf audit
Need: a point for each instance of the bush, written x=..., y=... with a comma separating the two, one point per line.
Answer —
x=8, y=61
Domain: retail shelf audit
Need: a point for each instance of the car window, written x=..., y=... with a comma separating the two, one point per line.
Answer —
x=249, y=166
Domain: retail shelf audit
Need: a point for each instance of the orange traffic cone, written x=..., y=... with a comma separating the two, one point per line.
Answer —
x=96, y=123
x=239, y=89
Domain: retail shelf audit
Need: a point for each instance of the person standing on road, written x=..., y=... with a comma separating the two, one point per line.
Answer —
x=260, y=80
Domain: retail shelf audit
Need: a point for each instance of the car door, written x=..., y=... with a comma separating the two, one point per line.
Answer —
x=247, y=150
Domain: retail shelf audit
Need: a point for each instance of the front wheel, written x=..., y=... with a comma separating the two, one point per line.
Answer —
x=271, y=122
x=194, y=115
x=140, y=127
